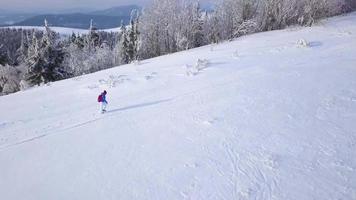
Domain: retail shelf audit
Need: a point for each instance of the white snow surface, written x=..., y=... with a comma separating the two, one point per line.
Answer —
x=266, y=118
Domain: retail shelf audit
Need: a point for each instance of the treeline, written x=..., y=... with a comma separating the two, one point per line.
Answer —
x=174, y=25
x=30, y=57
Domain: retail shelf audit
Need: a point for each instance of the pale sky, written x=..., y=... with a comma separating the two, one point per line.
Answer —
x=55, y=5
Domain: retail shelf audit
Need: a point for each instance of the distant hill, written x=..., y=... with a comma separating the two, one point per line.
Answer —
x=117, y=11
x=103, y=19
x=75, y=21
x=9, y=18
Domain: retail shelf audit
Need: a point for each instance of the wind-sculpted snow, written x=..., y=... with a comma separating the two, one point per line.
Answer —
x=267, y=116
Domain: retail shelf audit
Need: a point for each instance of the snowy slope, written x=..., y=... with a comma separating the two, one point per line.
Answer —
x=266, y=119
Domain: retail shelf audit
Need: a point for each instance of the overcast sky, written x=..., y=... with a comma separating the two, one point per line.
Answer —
x=55, y=5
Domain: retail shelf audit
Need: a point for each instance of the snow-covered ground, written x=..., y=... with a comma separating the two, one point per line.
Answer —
x=263, y=117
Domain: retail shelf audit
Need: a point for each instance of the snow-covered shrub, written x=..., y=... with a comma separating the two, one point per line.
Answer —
x=192, y=70
x=113, y=80
x=189, y=70
x=213, y=46
x=137, y=62
x=182, y=43
x=302, y=43
x=9, y=79
x=246, y=27
x=236, y=54
x=24, y=85
x=10, y=87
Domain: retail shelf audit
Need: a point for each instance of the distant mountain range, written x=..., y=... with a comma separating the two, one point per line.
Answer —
x=76, y=17
x=117, y=11
x=10, y=17
x=77, y=20
x=103, y=19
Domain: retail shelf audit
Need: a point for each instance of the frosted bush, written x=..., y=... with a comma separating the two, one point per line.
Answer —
x=24, y=85
x=201, y=64
x=192, y=70
x=10, y=87
x=302, y=43
x=137, y=62
x=113, y=80
x=236, y=54
x=9, y=79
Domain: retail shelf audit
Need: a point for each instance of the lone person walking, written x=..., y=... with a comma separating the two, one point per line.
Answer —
x=102, y=100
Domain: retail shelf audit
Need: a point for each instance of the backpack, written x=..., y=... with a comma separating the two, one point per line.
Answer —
x=100, y=98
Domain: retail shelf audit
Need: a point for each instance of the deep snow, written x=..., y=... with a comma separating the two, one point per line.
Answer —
x=266, y=118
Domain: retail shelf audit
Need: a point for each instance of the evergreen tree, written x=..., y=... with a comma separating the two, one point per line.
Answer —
x=22, y=51
x=137, y=36
x=33, y=62
x=124, y=45
x=73, y=38
x=45, y=59
x=117, y=48
x=214, y=35
x=79, y=42
x=3, y=60
x=133, y=37
x=93, y=38
x=198, y=36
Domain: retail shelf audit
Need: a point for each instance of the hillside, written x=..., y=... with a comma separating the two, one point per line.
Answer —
x=263, y=117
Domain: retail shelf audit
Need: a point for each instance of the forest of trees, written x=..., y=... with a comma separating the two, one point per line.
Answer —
x=32, y=57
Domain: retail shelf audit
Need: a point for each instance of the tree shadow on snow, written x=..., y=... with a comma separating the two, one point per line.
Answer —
x=139, y=105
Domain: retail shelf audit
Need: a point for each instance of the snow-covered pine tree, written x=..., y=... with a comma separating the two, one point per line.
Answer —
x=2, y=60
x=120, y=50
x=45, y=59
x=117, y=48
x=73, y=38
x=197, y=26
x=124, y=46
x=22, y=51
x=137, y=45
x=93, y=38
x=34, y=62
x=213, y=30
x=131, y=39
x=79, y=41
